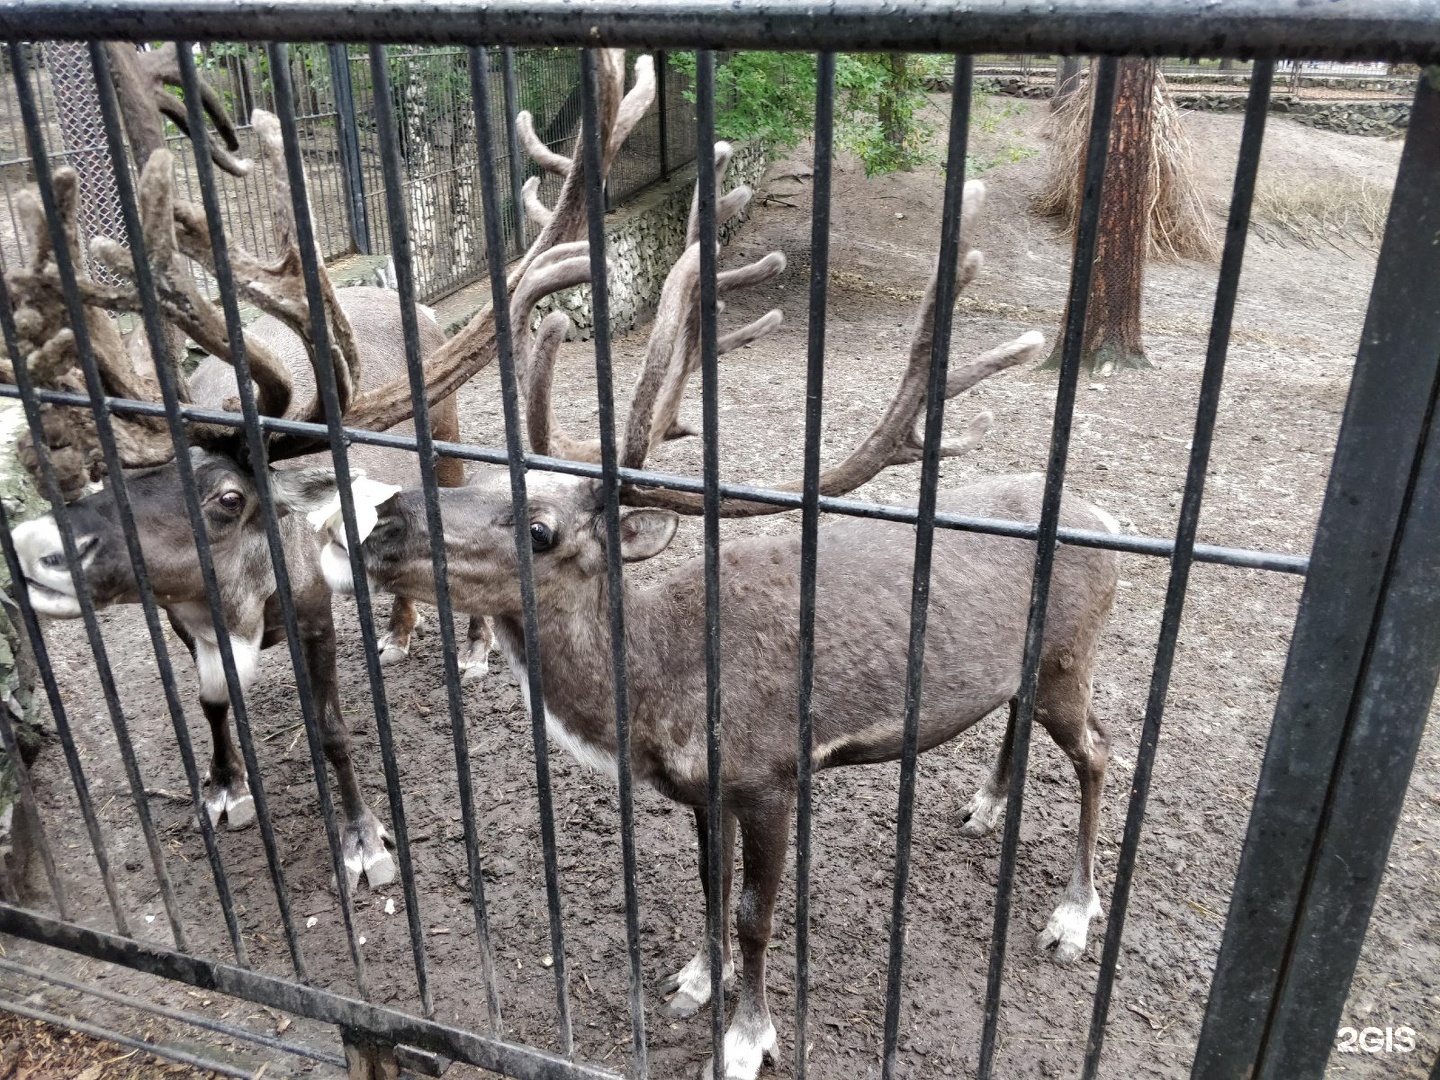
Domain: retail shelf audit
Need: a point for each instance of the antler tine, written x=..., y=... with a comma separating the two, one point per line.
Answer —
x=538, y=213
x=561, y=267
x=634, y=104
x=723, y=153
x=344, y=353
x=685, y=348
x=546, y=435
x=543, y=156
x=894, y=439
x=140, y=82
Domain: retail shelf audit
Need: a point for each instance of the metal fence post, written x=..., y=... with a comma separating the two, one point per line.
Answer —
x=662, y=76
x=348, y=138
x=512, y=142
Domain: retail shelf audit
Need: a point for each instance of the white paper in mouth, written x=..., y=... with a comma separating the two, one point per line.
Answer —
x=368, y=495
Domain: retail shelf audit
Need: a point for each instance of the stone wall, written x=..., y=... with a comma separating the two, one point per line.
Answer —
x=1351, y=117
x=642, y=241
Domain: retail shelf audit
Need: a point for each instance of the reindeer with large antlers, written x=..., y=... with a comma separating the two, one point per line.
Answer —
x=980, y=590
x=366, y=355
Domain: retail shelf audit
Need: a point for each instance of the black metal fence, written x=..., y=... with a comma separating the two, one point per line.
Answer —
x=1363, y=659
x=334, y=93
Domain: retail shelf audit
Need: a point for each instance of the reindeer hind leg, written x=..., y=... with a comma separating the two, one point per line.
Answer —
x=1063, y=708
x=986, y=808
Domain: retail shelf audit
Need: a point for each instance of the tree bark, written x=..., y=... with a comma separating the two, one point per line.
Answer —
x=1112, y=338
x=1067, y=80
x=893, y=124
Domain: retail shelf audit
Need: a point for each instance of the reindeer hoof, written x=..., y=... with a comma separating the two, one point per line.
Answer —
x=690, y=987
x=232, y=802
x=745, y=1052
x=982, y=813
x=1063, y=938
x=365, y=846
x=473, y=669
x=391, y=651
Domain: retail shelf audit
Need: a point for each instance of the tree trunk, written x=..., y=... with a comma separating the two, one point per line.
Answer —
x=1112, y=325
x=1067, y=80
x=893, y=122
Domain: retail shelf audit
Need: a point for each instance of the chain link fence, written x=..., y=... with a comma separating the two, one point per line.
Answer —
x=341, y=146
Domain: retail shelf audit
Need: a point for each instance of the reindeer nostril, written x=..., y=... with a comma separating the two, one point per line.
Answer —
x=53, y=561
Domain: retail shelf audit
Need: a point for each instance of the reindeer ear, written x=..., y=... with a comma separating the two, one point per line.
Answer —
x=646, y=533
x=301, y=490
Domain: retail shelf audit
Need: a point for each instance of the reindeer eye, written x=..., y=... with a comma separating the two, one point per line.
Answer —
x=231, y=500
x=542, y=537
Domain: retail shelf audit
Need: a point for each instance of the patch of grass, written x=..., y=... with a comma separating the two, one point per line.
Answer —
x=988, y=114
x=1325, y=210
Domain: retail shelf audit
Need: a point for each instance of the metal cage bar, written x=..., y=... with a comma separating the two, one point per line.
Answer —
x=614, y=572
x=809, y=538
x=1403, y=30
x=532, y=685
x=945, y=295
x=1086, y=237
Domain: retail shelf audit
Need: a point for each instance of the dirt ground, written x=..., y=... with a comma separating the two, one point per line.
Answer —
x=1296, y=329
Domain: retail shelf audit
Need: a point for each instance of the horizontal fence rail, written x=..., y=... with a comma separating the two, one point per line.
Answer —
x=1341, y=30
x=1381, y=472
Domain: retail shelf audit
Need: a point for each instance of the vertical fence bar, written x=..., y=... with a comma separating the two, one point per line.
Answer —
x=809, y=533
x=924, y=541
x=75, y=312
x=662, y=104
x=348, y=138
x=512, y=143
x=532, y=689
x=51, y=490
x=400, y=248
x=326, y=384
x=495, y=261
x=1087, y=234
x=1211, y=382
x=260, y=475
x=710, y=435
x=1341, y=642
x=615, y=578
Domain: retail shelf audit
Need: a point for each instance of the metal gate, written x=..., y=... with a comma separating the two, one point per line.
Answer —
x=1362, y=664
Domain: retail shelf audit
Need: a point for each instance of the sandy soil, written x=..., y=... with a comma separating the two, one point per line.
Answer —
x=1296, y=329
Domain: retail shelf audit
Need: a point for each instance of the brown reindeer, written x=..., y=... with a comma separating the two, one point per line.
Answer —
x=980, y=591
x=367, y=358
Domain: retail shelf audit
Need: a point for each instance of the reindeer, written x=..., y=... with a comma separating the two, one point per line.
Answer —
x=980, y=591
x=367, y=359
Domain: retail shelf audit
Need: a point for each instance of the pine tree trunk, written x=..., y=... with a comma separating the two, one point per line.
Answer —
x=1112, y=324
x=1067, y=80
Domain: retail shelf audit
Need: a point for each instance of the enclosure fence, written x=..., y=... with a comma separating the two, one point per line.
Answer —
x=1365, y=651
x=335, y=103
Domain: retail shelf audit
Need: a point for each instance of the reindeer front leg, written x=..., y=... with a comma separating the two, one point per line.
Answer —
x=750, y=1039
x=691, y=984
x=363, y=840
x=228, y=796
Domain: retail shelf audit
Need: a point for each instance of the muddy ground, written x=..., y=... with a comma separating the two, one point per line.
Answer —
x=1296, y=328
